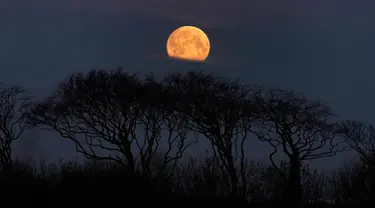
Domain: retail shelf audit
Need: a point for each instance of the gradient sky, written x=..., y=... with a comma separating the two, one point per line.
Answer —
x=324, y=48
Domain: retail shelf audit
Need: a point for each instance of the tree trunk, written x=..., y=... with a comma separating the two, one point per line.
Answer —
x=294, y=189
x=233, y=177
x=130, y=161
x=126, y=145
x=5, y=160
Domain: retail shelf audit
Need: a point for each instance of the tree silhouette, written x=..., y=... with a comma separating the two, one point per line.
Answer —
x=85, y=110
x=356, y=182
x=216, y=109
x=360, y=138
x=160, y=122
x=133, y=129
x=104, y=110
x=300, y=128
x=14, y=103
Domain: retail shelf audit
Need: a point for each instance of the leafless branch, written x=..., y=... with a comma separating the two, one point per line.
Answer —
x=14, y=104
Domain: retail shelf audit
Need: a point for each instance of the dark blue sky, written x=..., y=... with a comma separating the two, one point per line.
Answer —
x=324, y=48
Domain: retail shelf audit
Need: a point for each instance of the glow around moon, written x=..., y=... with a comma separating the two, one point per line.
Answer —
x=188, y=43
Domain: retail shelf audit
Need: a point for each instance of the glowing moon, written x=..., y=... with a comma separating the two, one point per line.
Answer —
x=188, y=43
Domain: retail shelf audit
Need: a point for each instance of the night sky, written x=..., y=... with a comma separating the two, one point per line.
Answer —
x=324, y=48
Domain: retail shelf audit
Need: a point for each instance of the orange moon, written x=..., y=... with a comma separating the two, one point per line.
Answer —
x=188, y=43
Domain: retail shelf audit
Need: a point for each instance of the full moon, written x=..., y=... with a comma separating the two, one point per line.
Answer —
x=188, y=43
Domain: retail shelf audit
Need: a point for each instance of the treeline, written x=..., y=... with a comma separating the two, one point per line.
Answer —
x=135, y=131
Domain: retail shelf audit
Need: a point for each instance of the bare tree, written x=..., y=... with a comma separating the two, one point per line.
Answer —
x=215, y=108
x=356, y=181
x=160, y=123
x=14, y=103
x=300, y=128
x=85, y=109
x=360, y=138
x=103, y=113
